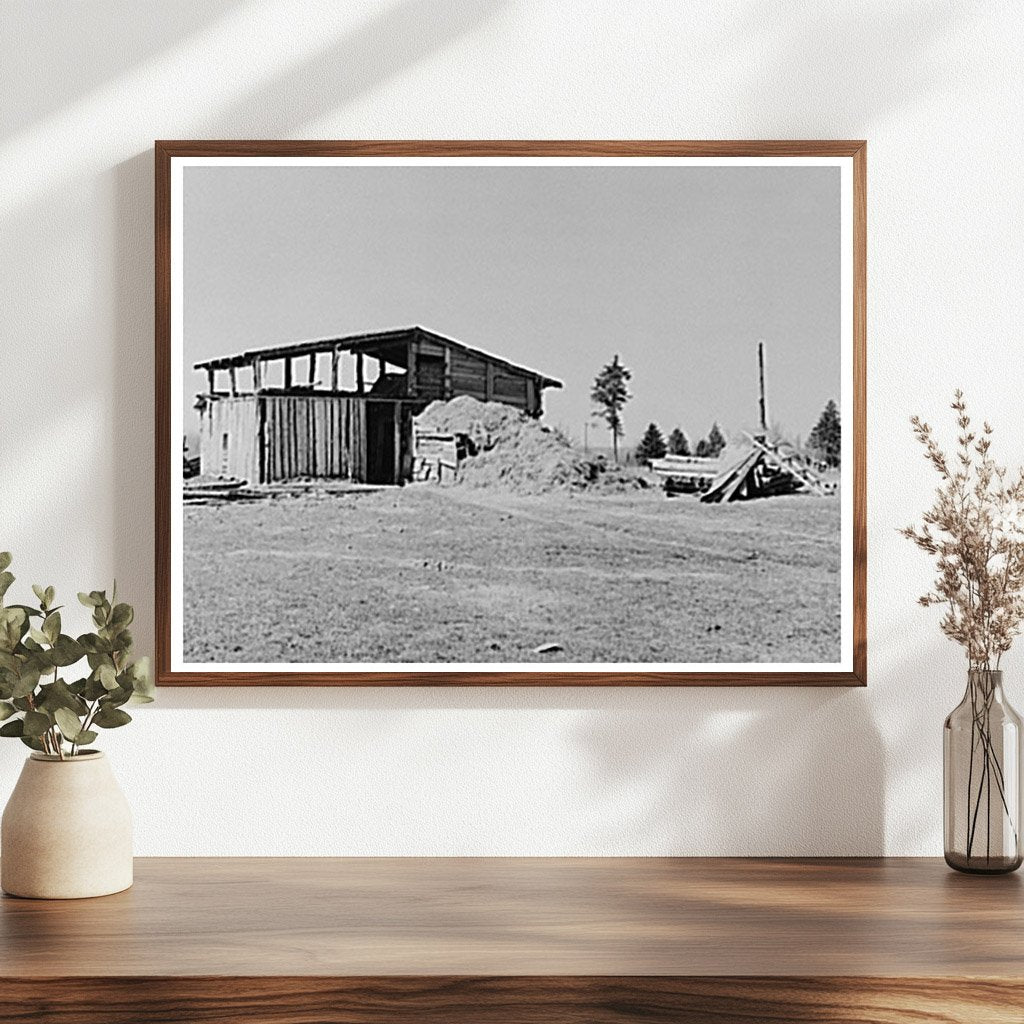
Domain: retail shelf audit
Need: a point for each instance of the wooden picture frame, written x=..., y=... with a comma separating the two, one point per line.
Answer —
x=171, y=156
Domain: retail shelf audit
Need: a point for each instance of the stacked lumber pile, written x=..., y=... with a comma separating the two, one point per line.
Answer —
x=207, y=490
x=686, y=474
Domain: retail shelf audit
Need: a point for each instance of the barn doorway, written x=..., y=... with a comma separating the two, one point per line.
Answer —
x=380, y=442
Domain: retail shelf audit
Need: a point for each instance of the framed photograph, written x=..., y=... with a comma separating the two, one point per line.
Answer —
x=492, y=413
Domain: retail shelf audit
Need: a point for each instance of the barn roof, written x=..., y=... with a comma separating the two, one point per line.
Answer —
x=387, y=343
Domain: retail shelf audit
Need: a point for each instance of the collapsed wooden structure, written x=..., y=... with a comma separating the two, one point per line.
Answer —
x=764, y=470
x=350, y=416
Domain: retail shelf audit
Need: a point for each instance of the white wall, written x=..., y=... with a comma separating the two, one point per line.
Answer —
x=937, y=90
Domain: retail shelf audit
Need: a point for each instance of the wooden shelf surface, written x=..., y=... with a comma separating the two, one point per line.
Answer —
x=373, y=933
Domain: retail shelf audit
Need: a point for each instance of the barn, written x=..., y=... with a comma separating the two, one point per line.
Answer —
x=343, y=408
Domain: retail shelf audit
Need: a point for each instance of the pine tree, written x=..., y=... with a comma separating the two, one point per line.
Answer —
x=825, y=439
x=652, y=445
x=677, y=443
x=716, y=442
x=702, y=449
x=611, y=394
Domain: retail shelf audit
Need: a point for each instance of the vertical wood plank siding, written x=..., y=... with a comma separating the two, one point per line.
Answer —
x=235, y=419
x=314, y=436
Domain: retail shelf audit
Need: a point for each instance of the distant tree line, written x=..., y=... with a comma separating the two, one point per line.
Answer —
x=610, y=393
x=654, y=446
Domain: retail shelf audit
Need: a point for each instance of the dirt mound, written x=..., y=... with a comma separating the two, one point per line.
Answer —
x=514, y=451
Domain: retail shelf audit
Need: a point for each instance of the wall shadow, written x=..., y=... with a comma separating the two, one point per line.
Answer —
x=390, y=42
x=807, y=55
x=48, y=46
x=740, y=772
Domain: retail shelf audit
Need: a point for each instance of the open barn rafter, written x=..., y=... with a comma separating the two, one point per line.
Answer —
x=297, y=411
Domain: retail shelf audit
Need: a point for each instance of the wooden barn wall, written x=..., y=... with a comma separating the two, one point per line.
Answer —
x=469, y=377
x=430, y=376
x=229, y=439
x=510, y=390
x=314, y=436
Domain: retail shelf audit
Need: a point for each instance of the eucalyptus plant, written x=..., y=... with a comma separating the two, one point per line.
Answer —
x=37, y=704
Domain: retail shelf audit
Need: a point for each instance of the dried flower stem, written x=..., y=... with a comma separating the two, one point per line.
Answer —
x=975, y=532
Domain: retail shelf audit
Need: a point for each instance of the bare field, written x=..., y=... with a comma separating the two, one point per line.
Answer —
x=426, y=574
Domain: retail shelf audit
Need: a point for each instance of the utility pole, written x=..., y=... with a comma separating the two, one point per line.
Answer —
x=760, y=370
x=586, y=437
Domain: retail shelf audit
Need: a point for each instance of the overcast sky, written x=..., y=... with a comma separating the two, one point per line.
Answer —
x=678, y=270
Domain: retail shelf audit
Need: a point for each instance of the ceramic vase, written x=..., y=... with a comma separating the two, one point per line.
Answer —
x=66, y=831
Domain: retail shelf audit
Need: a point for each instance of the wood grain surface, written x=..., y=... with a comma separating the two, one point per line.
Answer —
x=511, y=1000
x=506, y=916
x=503, y=940
x=168, y=449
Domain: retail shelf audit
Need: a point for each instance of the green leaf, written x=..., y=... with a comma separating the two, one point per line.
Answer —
x=89, y=600
x=38, y=635
x=28, y=680
x=32, y=613
x=15, y=615
x=66, y=651
x=6, y=579
x=50, y=595
x=69, y=723
x=40, y=593
x=86, y=736
x=142, y=681
x=59, y=695
x=5, y=560
x=51, y=626
x=122, y=616
x=94, y=689
x=94, y=644
x=107, y=718
x=107, y=676
x=115, y=698
x=31, y=741
x=6, y=710
x=36, y=723
x=13, y=624
x=13, y=728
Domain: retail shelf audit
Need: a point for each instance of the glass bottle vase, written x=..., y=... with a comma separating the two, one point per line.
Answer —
x=981, y=771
